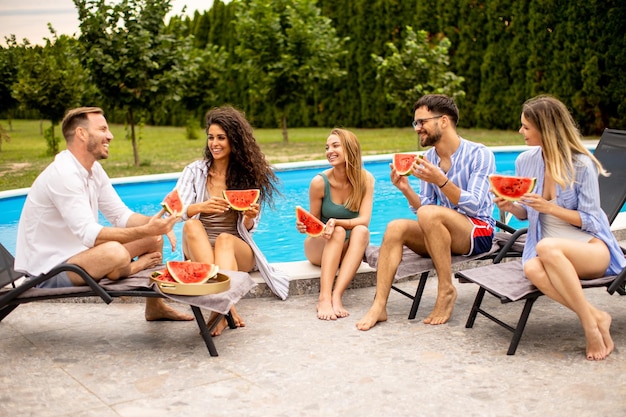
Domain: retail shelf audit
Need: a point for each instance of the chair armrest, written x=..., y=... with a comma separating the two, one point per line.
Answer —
x=509, y=244
x=33, y=282
x=505, y=227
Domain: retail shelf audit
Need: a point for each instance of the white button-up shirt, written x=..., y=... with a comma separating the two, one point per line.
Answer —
x=60, y=215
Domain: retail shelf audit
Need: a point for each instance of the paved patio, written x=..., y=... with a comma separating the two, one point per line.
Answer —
x=90, y=359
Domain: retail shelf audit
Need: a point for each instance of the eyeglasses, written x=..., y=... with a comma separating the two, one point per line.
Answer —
x=417, y=124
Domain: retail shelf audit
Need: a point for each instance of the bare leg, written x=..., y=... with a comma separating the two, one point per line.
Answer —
x=331, y=258
x=398, y=233
x=556, y=273
x=196, y=244
x=445, y=231
x=233, y=254
x=359, y=239
x=315, y=252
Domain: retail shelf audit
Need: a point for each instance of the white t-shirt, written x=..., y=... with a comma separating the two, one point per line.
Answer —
x=60, y=215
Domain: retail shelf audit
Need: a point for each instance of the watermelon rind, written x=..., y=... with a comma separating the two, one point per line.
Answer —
x=241, y=200
x=403, y=163
x=172, y=203
x=162, y=275
x=511, y=187
x=314, y=226
x=191, y=273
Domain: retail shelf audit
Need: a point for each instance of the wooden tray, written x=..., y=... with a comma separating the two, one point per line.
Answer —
x=215, y=285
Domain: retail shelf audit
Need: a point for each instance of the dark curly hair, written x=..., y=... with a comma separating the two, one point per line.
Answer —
x=247, y=166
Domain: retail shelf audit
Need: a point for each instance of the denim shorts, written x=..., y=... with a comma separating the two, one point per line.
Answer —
x=61, y=280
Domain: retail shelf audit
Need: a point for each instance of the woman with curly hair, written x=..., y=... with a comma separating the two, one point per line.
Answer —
x=342, y=197
x=214, y=233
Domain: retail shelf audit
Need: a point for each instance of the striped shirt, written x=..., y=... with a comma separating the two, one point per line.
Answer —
x=583, y=196
x=471, y=165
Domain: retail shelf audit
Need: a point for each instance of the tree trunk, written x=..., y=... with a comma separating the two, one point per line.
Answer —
x=131, y=122
x=284, y=126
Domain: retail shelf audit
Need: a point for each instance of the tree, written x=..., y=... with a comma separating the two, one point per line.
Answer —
x=50, y=80
x=287, y=49
x=418, y=68
x=4, y=137
x=9, y=58
x=132, y=59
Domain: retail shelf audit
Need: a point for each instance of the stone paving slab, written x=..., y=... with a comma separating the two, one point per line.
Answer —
x=72, y=359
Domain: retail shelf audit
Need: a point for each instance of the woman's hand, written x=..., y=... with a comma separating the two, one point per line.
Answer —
x=504, y=204
x=328, y=230
x=214, y=205
x=252, y=212
x=300, y=227
x=537, y=202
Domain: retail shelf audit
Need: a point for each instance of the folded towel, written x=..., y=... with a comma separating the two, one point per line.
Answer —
x=508, y=282
x=240, y=284
x=414, y=264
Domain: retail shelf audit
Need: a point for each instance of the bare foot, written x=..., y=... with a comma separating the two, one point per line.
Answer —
x=236, y=317
x=604, y=325
x=223, y=323
x=340, y=312
x=443, y=308
x=219, y=328
x=145, y=261
x=325, y=311
x=216, y=329
x=157, y=309
x=596, y=349
x=373, y=316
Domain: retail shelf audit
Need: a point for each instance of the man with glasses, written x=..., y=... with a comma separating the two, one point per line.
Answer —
x=454, y=207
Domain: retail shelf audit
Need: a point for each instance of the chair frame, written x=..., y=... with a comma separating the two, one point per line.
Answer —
x=611, y=208
x=11, y=290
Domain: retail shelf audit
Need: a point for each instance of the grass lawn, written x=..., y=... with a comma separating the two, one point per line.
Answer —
x=166, y=149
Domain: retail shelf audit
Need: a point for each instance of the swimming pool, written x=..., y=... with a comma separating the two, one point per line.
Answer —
x=276, y=236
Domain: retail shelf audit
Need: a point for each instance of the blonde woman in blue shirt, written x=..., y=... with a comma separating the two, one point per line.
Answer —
x=341, y=197
x=569, y=236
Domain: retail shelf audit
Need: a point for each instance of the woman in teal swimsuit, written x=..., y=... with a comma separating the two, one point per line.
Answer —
x=341, y=197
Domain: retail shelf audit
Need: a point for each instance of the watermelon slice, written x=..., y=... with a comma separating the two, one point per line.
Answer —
x=188, y=272
x=173, y=204
x=163, y=275
x=314, y=227
x=510, y=187
x=403, y=162
x=241, y=199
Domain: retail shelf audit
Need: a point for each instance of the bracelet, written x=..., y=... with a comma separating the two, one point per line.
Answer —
x=444, y=184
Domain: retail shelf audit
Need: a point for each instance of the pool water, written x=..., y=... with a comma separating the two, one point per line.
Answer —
x=276, y=236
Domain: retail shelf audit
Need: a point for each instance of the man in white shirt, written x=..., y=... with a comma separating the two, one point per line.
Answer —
x=59, y=221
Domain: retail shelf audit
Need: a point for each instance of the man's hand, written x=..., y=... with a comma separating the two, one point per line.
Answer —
x=399, y=181
x=429, y=172
x=159, y=225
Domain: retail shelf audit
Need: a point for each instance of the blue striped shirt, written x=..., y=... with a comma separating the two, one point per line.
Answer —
x=583, y=196
x=471, y=165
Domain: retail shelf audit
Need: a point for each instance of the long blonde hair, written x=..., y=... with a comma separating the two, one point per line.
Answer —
x=560, y=138
x=354, y=167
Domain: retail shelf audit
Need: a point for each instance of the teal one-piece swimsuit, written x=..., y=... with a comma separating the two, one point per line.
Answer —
x=332, y=210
